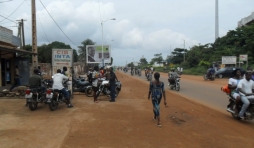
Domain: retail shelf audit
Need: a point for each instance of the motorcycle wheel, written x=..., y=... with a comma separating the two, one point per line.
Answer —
x=116, y=92
x=177, y=87
x=232, y=107
x=33, y=104
x=53, y=105
x=89, y=92
x=205, y=78
x=98, y=94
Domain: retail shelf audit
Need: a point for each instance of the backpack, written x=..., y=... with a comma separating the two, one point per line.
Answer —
x=225, y=89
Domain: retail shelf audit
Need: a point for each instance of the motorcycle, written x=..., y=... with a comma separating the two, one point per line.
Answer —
x=174, y=83
x=209, y=77
x=149, y=76
x=249, y=114
x=33, y=97
x=104, y=88
x=48, y=83
x=54, y=96
x=139, y=72
x=132, y=72
x=83, y=86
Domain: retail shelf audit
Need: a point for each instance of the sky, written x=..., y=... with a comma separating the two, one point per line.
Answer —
x=142, y=27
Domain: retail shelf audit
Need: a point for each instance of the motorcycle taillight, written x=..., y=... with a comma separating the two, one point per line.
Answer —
x=28, y=91
x=48, y=91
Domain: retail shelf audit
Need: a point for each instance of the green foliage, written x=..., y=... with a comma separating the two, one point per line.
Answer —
x=130, y=64
x=157, y=58
x=236, y=42
x=204, y=64
x=82, y=49
x=195, y=70
x=45, y=51
x=143, y=61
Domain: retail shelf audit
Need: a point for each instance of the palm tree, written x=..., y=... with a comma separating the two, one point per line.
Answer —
x=82, y=49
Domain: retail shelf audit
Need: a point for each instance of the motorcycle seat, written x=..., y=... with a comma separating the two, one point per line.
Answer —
x=84, y=83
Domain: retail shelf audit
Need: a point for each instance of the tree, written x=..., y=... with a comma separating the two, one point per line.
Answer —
x=130, y=64
x=143, y=61
x=75, y=55
x=157, y=58
x=82, y=49
x=45, y=51
x=178, y=55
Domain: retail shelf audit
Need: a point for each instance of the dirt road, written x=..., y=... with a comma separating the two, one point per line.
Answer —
x=124, y=123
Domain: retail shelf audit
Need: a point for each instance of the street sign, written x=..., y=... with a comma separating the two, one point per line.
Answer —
x=62, y=57
x=228, y=60
x=243, y=57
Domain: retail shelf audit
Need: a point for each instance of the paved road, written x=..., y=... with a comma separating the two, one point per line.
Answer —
x=195, y=88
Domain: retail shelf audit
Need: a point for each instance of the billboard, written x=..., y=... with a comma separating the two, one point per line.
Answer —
x=243, y=57
x=94, y=53
x=228, y=60
x=62, y=57
x=5, y=35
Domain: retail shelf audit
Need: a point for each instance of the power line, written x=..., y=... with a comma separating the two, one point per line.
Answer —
x=37, y=32
x=5, y=1
x=57, y=24
x=13, y=11
x=8, y=19
x=43, y=28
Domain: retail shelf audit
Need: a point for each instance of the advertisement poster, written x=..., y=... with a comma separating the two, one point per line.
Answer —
x=94, y=53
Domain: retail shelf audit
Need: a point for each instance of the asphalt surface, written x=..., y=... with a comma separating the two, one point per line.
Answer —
x=204, y=92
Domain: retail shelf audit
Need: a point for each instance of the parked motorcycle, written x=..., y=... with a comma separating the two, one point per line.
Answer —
x=33, y=97
x=55, y=97
x=249, y=114
x=174, y=83
x=209, y=77
x=83, y=86
x=48, y=83
x=104, y=88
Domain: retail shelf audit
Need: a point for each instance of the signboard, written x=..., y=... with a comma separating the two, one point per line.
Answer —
x=94, y=53
x=62, y=57
x=228, y=60
x=243, y=57
x=5, y=35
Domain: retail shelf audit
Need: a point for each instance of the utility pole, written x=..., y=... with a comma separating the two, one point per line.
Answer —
x=184, y=50
x=34, y=36
x=216, y=19
x=21, y=34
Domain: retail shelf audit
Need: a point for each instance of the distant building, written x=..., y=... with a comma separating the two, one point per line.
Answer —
x=247, y=20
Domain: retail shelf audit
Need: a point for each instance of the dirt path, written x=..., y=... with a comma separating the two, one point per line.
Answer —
x=125, y=123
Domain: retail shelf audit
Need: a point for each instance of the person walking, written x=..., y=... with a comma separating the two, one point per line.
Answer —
x=95, y=77
x=16, y=78
x=112, y=83
x=156, y=91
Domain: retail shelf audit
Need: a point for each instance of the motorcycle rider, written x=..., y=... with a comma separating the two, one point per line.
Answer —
x=58, y=84
x=210, y=71
x=148, y=70
x=132, y=70
x=232, y=85
x=35, y=81
x=246, y=89
x=172, y=76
